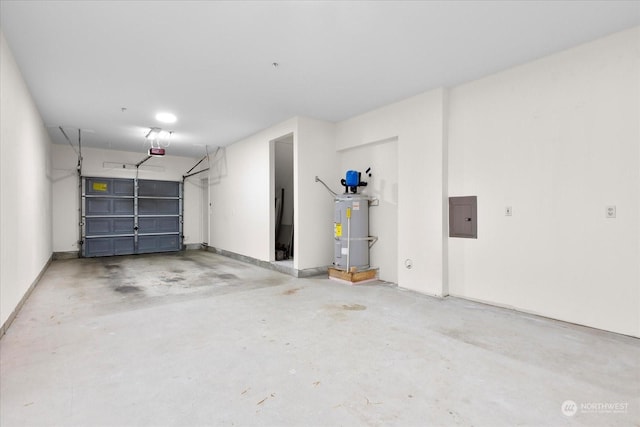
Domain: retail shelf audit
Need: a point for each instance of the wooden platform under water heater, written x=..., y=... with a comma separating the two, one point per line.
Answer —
x=353, y=277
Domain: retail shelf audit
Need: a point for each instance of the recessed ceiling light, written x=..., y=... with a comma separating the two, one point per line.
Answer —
x=166, y=117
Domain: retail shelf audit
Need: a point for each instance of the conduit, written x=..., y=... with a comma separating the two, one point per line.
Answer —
x=333, y=193
x=79, y=173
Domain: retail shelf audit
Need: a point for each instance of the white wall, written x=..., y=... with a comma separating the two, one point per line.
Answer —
x=25, y=188
x=65, y=187
x=418, y=125
x=315, y=155
x=558, y=140
x=382, y=158
x=241, y=194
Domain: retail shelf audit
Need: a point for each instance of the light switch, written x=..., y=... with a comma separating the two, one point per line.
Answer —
x=508, y=211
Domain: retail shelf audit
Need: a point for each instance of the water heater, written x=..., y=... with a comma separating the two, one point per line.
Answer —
x=351, y=232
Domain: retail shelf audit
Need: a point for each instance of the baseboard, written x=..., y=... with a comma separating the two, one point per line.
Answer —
x=25, y=297
x=307, y=272
x=536, y=314
x=65, y=255
x=194, y=246
x=311, y=272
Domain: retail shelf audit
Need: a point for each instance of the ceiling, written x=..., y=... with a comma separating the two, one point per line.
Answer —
x=109, y=66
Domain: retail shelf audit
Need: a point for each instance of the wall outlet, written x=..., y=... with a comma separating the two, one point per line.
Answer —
x=508, y=211
x=610, y=212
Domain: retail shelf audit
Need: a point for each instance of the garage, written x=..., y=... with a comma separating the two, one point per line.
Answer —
x=179, y=179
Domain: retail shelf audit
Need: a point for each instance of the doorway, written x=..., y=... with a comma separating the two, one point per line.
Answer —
x=282, y=150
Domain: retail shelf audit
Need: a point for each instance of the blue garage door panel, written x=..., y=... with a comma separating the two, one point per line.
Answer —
x=107, y=246
x=123, y=206
x=105, y=226
x=162, y=243
x=158, y=188
x=108, y=206
x=123, y=187
x=158, y=225
x=158, y=207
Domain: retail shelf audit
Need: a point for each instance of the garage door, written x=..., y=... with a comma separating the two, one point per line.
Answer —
x=128, y=216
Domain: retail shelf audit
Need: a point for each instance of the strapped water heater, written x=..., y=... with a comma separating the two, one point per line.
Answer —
x=351, y=231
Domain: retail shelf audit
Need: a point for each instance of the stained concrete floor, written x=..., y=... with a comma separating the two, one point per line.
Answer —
x=200, y=339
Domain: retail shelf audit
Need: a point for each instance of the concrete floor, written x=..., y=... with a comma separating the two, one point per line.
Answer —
x=199, y=339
